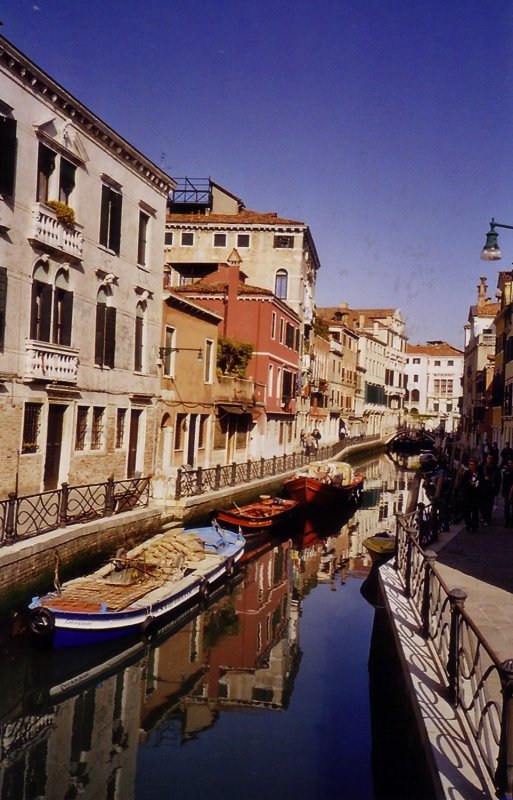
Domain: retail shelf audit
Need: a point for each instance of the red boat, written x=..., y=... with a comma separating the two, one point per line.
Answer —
x=259, y=518
x=322, y=484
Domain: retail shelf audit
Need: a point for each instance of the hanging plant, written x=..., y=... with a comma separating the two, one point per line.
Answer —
x=63, y=212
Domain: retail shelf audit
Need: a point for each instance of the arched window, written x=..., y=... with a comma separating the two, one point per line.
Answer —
x=139, y=337
x=415, y=395
x=51, y=307
x=281, y=284
x=105, y=331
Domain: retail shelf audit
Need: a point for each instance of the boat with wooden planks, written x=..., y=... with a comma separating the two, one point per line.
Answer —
x=137, y=588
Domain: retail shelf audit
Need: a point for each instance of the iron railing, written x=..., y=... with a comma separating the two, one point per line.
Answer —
x=478, y=682
x=32, y=515
x=192, y=482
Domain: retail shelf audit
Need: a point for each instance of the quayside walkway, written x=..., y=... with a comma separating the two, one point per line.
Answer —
x=451, y=606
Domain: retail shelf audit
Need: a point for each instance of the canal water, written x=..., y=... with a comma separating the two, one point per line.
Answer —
x=265, y=694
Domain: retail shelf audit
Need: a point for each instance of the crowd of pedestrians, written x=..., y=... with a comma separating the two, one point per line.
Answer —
x=470, y=489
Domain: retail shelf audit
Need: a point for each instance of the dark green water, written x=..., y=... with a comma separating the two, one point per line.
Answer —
x=265, y=694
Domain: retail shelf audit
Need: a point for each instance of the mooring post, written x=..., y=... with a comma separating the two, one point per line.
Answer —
x=457, y=599
x=504, y=771
x=178, y=487
x=10, y=523
x=63, y=505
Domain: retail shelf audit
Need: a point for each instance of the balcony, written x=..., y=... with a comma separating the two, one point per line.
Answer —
x=234, y=390
x=50, y=362
x=50, y=232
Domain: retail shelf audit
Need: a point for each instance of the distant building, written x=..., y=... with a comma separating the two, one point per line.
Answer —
x=502, y=386
x=433, y=375
x=478, y=370
x=82, y=220
x=344, y=372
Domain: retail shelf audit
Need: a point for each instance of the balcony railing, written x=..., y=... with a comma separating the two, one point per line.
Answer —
x=50, y=231
x=50, y=362
x=234, y=390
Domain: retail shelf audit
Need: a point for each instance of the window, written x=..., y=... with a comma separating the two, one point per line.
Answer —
x=110, y=219
x=120, y=427
x=169, y=356
x=203, y=420
x=450, y=362
x=270, y=381
x=281, y=284
x=273, y=325
x=209, y=353
x=243, y=240
x=168, y=238
x=3, y=304
x=31, y=427
x=97, y=428
x=8, y=146
x=139, y=339
x=283, y=242
x=142, y=238
x=81, y=427
x=415, y=379
x=105, y=333
x=288, y=387
x=437, y=363
x=219, y=239
x=48, y=187
x=289, y=335
x=282, y=327
x=416, y=360
x=187, y=239
x=51, y=308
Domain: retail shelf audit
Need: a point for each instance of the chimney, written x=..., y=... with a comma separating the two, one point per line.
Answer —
x=481, y=292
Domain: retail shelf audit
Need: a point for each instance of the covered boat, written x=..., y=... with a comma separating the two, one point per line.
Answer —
x=323, y=483
x=138, y=588
x=256, y=519
x=381, y=546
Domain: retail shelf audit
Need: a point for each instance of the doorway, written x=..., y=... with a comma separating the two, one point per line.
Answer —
x=53, y=446
x=133, y=439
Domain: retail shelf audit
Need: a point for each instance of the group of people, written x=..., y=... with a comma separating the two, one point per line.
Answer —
x=310, y=440
x=481, y=483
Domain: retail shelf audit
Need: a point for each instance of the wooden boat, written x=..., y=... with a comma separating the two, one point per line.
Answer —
x=324, y=483
x=258, y=518
x=137, y=589
x=381, y=546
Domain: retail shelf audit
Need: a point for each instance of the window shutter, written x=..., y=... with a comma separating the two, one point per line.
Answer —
x=7, y=155
x=67, y=317
x=138, y=344
x=46, y=312
x=3, y=304
x=99, y=334
x=110, y=336
x=67, y=179
x=115, y=222
x=104, y=216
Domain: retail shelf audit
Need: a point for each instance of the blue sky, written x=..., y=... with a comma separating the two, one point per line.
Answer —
x=386, y=125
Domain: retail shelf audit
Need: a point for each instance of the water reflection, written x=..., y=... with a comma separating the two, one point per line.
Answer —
x=102, y=723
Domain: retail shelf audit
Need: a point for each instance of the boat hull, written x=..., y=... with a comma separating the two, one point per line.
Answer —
x=259, y=519
x=380, y=548
x=308, y=490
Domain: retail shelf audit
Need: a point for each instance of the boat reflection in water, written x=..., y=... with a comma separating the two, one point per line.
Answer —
x=100, y=724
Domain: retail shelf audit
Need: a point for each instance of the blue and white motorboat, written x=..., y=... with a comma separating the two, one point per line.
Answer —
x=137, y=588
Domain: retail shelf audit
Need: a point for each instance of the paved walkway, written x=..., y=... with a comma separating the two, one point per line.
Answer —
x=481, y=563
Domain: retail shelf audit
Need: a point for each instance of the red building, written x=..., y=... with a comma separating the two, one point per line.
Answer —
x=256, y=316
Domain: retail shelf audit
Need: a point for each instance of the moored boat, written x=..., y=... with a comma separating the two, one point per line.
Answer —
x=323, y=483
x=381, y=546
x=138, y=588
x=259, y=518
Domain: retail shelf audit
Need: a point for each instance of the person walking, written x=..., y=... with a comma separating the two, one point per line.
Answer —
x=471, y=496
x=506, y=491
x=316, y=435
x=506, y=454
x=489, y=482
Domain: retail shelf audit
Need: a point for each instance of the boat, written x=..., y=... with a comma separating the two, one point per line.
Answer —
x=138, y=588
x=259, y=518
x=323, y=483
x=381, y=546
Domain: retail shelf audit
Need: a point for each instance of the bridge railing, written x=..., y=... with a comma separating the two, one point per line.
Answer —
x=191, y=482
x=478, y=682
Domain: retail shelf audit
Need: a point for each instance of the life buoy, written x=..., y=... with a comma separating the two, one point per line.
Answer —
x=148, y=629
x=204, y=591
x=41, y=621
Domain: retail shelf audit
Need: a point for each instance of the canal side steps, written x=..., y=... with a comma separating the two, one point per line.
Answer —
x=458, y=770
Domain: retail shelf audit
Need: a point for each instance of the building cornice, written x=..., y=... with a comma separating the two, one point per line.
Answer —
x=38, y=83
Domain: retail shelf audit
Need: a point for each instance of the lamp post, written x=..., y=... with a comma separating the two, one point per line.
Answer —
x=164, y=351
x=491, y=250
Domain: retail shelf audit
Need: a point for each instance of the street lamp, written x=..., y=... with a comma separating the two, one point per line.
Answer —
x=164, y=351
x=491, y=250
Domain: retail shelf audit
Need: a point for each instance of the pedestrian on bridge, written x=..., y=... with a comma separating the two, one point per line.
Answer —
x=471, y=494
